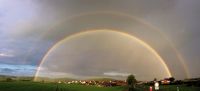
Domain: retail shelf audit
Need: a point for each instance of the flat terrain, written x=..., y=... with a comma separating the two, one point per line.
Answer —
x=171, y=88
x=36, y=86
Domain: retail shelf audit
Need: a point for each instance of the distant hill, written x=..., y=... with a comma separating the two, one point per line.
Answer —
x=101, y=79
x=20, y=78
x=71, y=79
x=5, y=76
x=64, y=79
x=45, y=79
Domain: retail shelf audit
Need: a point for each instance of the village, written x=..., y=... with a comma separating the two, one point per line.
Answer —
x=113, y=83
x=103, y=83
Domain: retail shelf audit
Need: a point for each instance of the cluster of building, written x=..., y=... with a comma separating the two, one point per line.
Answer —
x=111, y=83
x=165, y=81
x=102, y=83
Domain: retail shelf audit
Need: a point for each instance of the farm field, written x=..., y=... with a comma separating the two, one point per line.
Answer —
x=171, y=88
x=36, y=86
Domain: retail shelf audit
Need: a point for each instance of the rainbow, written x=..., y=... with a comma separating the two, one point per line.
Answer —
x=178, y=55
x=90, y=31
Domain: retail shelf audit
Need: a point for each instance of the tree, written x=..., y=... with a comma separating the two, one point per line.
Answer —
x=172, y=79
x=155, y=79
x=8, y=79
x=131, y=81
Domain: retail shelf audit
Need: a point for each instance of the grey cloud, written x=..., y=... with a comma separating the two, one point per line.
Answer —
x=31, y=27
x=96, y=53
x=7, y=70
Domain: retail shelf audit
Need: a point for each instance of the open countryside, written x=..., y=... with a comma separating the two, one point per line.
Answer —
x=104, y=84
x=99, y=45
x=36, y=86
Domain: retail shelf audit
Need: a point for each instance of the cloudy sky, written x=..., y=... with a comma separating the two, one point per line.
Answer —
x=29, y=28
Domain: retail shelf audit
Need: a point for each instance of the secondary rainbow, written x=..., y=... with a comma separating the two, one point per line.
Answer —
x=178, y=55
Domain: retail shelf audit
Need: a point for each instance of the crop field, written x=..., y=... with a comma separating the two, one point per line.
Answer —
x=36, y=86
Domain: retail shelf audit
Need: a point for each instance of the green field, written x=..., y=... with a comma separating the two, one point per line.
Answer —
x=171, y=88
x=36, y=86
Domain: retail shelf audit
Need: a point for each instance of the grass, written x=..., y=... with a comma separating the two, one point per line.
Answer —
x=36, y=86
x=181, y=88
x=171, y=88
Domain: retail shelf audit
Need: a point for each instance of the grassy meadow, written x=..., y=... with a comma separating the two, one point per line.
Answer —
x=37, y=86
x=171, y=88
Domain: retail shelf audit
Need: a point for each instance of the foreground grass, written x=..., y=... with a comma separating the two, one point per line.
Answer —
x=34, y=86
x=181, y=88
x=171, y=88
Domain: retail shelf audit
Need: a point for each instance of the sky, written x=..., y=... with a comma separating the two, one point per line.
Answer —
x=29, y=28
x=102, y=53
